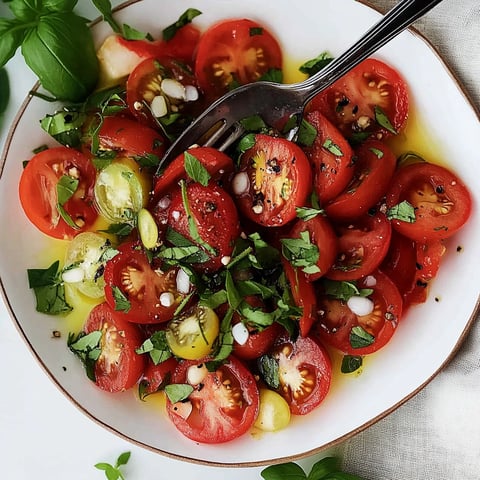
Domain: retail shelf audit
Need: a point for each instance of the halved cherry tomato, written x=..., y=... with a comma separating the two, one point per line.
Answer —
x=441, y=201
x=274, y=178
x=39, y=197
x=304, y=296
x=217, y=163
x=216, y=220
x=331, y=157
x=118, y=367
x=322, y=235
x=374, y=169
x=304, y=371
x=357, y=102
x=235, y=52
x=362, y=245
x=130, y=138
x=165, y=88
x=155, y=377
x=141, y=292
x=223, y=405
x=339, y=327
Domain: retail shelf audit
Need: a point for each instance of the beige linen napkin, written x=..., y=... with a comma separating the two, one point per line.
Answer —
x=436, y=434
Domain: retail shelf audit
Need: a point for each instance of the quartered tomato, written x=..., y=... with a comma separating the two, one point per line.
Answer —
x=139, y=291
x=216, y=220
x=331, y=157
x=50, y=175
x=370, y=100
x=362, y=245
x=217, y=164
x=223, y=405
x=156, y=376
x=163, y=90
x=304, y=296
x=118, y=367
x=441, y=202
x=341, y=327
x=374, y=169
x=274, y=178
x=235, y=52
x=304, y=372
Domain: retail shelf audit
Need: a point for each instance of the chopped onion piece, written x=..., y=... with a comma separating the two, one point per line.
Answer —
x=240, y=333
x=360, y=305
x=240, y=183
x=196, y=374
x=183, y=282
x=167, y=299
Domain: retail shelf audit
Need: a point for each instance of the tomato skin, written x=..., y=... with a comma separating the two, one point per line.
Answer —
x=130, y=137
x=38, y=191
x=219, y=414
x=215, y=216
x=156, y=376
x=307, y=360
x=441, y=201
x=119, y=367
x=130, y=273
x=374, y=170
x=336, y=320
x=280, y=179
x=350, y=102
x=331, y=157
x=217, y=163
x=236, y=51
x=323, y=236
x=304, y=296
x=362, y=245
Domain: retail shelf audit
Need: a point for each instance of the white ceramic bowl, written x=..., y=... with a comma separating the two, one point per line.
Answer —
x=428, y=336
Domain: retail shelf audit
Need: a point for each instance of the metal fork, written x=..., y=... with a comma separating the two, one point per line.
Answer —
x=275, y=103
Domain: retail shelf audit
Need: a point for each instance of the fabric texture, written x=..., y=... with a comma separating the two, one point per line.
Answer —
x=436, y=434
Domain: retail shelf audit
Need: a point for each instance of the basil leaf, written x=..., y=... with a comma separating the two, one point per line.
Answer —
x=306, y=133
x=351, y=363
x=307, y=213
x=195, y=169
x=177, y=392
x=344, y=290
x=246, y=143
x=225, y=340
x=60, y=51
x=360, y=338
x=65, y=127
x=289, y=470
x=301, y=253
x=122, y=304
x=274, y=75
x=254, y=123
x=87, y=348
x=403, y=211
x=105, y=8
x=268, y=368
x=382, y=119
x=333, y=148
x=12, y=33
x=311, y=67
x=184, y=19
x=157, y=347
x=66, y=187
x=130, y=33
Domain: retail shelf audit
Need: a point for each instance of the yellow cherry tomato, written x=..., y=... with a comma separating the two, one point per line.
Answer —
x=274, y=412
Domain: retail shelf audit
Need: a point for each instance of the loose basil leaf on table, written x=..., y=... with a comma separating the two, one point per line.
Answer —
x=4, y=91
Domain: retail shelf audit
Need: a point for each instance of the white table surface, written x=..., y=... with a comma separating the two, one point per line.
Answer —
x=43, y=435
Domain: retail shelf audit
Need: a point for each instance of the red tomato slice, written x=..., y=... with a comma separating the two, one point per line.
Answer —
x=374, y=169
x=331, y=157
x=304, y=370
x=145, y=87
x=441, y=201
x=224, y=405
x=130, y=137
x=362, y=245
x=118, y=367
x=355, y=103
x=235, y=52
x=155, y=377
x=134, y=287
x=322, y=235
x=337, y=322
x=217, y=163
x=216, y=219
x=274, y=179
x=39, y=197
x=304, y=296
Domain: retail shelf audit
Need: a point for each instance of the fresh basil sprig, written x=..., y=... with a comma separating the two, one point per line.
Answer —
x=56, y=43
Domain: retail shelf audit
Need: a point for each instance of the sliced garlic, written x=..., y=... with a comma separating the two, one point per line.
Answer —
x=173, y=89
x=159, y=106
x=191, y=93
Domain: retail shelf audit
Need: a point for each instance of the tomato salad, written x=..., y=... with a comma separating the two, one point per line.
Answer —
x=227, y=280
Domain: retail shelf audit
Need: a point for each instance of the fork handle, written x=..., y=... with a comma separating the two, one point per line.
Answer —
x=395, y=21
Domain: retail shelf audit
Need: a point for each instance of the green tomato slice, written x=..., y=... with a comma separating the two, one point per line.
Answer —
x=118, y=193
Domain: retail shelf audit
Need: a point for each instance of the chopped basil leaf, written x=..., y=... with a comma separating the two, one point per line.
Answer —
x=225, y=341
x=360, y=338
x=119, y=229
x=130, y=33
x=268, y=368
x=274, y=75
x=48, y=289
x=177, y=392
x=307, y=213
x=66, y=187
x=382, y=119
x=404, y=211
x=344, y=290
x=233, y=295
x=253, y=123
x=256, y=31
x=377, y=152
x=87, y=348
x=184, y=19
x=157, y=347
x=4, y=90
x=301, y=253
x=148, y=160
x=122, y=304
x=409, y=157
x=306, y=133
x=195, y=169
x=214, y=300
x=311, y=67
x=246, y=143
x=351, y=363
x=65, y=127
x=332, y=147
